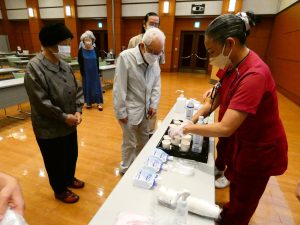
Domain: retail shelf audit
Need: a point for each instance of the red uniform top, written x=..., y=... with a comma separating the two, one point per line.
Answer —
x=260, y=146
x=225, y=83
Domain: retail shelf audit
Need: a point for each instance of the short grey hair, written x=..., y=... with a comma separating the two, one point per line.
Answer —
x=153, y=33
x=88, y=34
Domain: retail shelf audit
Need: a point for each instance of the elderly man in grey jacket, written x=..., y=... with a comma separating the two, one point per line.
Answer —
x=137, y=92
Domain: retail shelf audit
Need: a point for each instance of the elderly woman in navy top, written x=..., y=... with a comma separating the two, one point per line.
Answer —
x=56, y=104
x=88, y=60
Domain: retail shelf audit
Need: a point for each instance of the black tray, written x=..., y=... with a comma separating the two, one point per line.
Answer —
x=175, y=150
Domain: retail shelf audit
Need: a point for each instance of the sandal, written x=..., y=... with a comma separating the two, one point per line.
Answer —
x=67, y=197
x=100, y=108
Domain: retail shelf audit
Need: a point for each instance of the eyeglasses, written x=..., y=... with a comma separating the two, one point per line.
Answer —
x=153, y=24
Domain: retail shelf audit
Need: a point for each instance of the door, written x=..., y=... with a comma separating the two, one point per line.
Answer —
x=193, y=55
x=101, y=42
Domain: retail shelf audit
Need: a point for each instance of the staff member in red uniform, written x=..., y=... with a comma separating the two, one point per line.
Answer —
x=224, y=146
x=247, y=91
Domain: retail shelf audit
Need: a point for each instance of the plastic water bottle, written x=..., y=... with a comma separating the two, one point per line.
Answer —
x=182, y=210
x=198, y=139
x=180, y=103
x=190, y=109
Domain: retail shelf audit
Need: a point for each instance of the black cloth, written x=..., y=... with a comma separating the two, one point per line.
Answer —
x=81, y=61
x=52, y=34
x=19, y=52
x=60, y=157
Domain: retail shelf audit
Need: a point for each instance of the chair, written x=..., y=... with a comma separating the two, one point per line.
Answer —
x=18, y=75
x=102, y=63
x=68, y=59
x=74, y=64
x=11, y=61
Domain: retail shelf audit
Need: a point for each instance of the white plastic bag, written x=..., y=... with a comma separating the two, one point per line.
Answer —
x=12, y=218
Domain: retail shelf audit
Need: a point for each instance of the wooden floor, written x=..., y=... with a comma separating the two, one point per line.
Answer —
x=99, y=138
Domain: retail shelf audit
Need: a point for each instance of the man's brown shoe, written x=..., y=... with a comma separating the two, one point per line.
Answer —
x=67, y=197
x=77, y=184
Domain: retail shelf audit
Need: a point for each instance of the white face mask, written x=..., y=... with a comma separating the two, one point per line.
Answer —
x=150, y=58
x=221, y=61
x=64, y=51
x=148, y=27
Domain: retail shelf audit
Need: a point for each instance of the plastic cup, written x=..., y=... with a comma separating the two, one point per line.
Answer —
x=167, y=137
x=185, y=146
x=176, y=140
x=187, y=137
x=166, y=144
x=177, y=122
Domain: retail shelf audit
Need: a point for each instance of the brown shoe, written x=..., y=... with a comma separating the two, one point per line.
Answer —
x=67, y=197
x=76, y=184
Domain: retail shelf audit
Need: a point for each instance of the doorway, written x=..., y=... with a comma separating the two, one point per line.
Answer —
x=193, y=55
x=101, y=42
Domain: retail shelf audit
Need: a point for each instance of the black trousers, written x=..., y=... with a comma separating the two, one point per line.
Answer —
x=60, y=157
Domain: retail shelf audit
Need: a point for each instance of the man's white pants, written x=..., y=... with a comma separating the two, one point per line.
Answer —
x=134, y=139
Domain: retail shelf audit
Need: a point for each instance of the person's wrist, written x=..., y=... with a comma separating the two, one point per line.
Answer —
x=185, y=130
x=189, y=122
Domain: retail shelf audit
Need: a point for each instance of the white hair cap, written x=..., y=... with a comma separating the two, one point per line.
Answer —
x=88, y=34
x=153, y=33
x=244, y=17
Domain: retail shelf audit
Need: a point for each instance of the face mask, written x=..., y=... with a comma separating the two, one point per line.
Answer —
x=221, y=61
x=148, y=27
x=64, y=52
x=150, y=58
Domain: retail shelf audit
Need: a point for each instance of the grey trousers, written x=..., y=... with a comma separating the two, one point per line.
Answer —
x=151, y=124
x=134, y=139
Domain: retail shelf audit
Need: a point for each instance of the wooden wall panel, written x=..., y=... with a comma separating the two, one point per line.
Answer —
x=118, y=26
x=21, y=35
x=283, y=54
x=167, y=24
x=109, y=23
x=2, y=31
x=71, y=23
x=91, y=24
x=35, y=25
x=114, y=41
x=260, y=35
x=131, y=28
x=257, y=40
